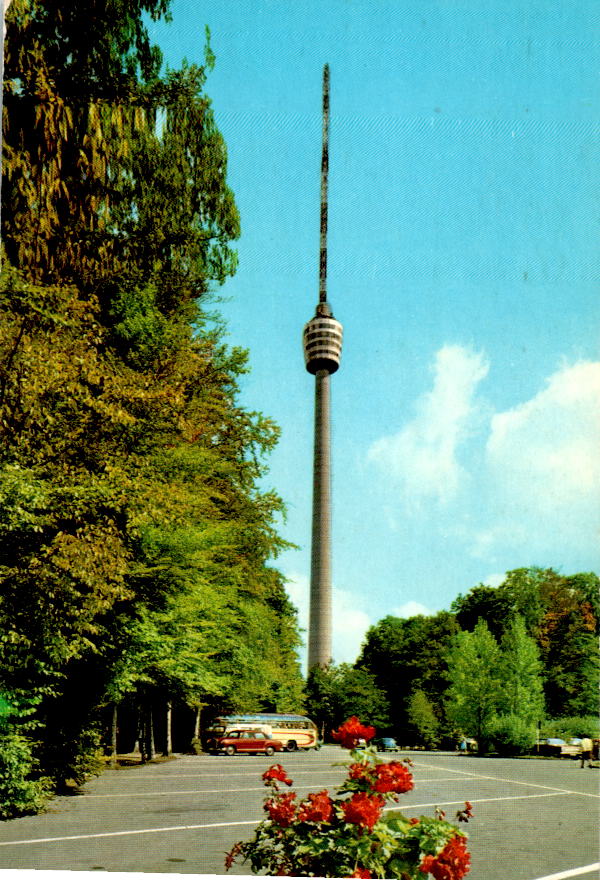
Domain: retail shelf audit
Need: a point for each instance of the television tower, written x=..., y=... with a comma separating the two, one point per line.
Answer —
x=322, y=343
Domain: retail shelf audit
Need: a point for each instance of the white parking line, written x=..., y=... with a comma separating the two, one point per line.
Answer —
x=126, y=833
x=254, y=773
x=169, y=792
x=206, y=825
x=573, y=872
x=511, y=781
x=518, y=797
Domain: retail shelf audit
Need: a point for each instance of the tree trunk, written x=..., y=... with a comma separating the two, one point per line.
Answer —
x=196, y=741
x=138, y=746
x=113, y=736
x=150, y=750
x=168, y=733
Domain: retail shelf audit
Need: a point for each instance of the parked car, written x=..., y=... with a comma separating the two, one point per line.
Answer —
x=553, y=745
x=386, y=744
x=247, y=742
x=572, y=748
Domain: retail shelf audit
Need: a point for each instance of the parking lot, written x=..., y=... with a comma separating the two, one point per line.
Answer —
x=532, y=818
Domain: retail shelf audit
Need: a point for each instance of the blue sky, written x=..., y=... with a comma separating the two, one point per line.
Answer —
x=463, y=264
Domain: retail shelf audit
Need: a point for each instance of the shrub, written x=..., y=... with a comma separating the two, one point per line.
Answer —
x=511, y=735
x=572, y=725
x=71, y=756
x=21, y=793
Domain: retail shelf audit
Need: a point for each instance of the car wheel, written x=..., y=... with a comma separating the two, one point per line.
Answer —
x=291, y=746
x=269, y=751
x=230, y=750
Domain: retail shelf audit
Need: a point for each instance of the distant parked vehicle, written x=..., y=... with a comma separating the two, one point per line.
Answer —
x=294, y=731
x=246, y=742
x=552, y=746
x=386, y=744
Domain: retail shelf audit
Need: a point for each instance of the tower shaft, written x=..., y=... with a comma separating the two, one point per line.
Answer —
x=319, y=635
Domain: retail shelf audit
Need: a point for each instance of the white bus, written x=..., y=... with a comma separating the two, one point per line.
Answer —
x=294, y=731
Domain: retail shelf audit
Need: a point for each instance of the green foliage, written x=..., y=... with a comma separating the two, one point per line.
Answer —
x=405, y=655
x=335, y=693
x=574, y=725
x=112, y=172
x=22, y=791
x=547, y=626
x=520, y=670
x=136, y=543
x=473, y=695
x=562, y=614
x=423, y=720
x=71, y=751
x=511, y=734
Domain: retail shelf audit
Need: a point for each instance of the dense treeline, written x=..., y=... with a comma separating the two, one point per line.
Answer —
x=135, y=544
x=501, y=662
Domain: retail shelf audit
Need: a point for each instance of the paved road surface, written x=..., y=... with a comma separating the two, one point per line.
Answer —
x=533, y=818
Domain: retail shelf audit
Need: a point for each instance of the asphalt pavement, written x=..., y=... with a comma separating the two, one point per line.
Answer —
x=533, y=819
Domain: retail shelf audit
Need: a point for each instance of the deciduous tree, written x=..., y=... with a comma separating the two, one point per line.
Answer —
x=474, y=692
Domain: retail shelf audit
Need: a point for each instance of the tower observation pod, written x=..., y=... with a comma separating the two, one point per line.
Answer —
x=322, y=344
x=322, y=341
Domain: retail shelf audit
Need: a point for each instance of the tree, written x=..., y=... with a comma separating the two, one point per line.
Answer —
x=109, y=168
x=474, y=692
x=136, y=541
x=423, y=719
x=481, y=603
x=520, y=670
x=562, y=614
x=569, y=645
x=335, y=693
x=404, y=655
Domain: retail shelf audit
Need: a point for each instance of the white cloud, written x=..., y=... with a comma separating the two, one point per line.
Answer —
x=543, y=462
x=412, y=609
x=422, y=456
x=549, y=445
x=350, y=622
x=350, y=625
x=529, y=488
x=494, y=580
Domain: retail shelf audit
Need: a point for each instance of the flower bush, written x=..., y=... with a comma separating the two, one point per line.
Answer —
x=352, y=834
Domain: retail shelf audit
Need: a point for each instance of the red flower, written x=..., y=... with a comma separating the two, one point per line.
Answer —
x=276, y=773
x=358, y=771
x=392, y=777
x=466, y=814
x=317, y=808
x=361, y=872
x=351, y=731
x=452, y=863
x=363, y=809
x=232, y=855
x=282, y=809
x=414, y=821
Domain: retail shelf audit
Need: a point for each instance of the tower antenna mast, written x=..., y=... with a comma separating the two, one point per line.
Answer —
x=324, y=185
